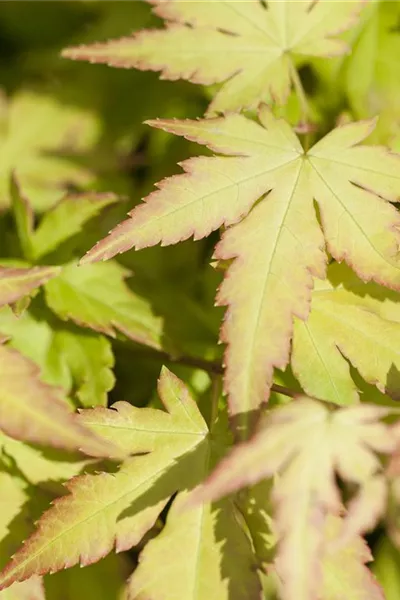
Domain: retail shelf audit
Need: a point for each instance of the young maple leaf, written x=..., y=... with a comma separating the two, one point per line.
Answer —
x=15, y=283
x=343, y=570
x=305, y=437
x=174, y=452
x=248, y=45
x=349, y=318
x=67, y=219
x=78, y=361
x=277, y=242
x=33, y=411
x=97, y=297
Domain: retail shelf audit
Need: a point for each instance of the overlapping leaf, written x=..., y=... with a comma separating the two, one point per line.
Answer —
x=15, y=283
x=174, y=452
x=36, y=130
x=197, y=535
x=66, y=219
x=344, y=574
x=78, y=361
x=350, y=320
x=96, y=296
x=33, y=411
x=305, y=437
x=279, y=247
x=247, y=43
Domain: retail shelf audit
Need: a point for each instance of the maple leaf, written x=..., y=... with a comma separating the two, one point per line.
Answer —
x=15, y=283
x=249, y=44
x=66, y=219
x=79, y=361
x=24, y=218
x=279, y=246
x=344, y=574
x=371, y=74
x=96, y=296
x=306, y=437
x=173, y=452
x=350, y=320
x=13, y=498
x=36, y=129
x=195, y=536
x=32, y=410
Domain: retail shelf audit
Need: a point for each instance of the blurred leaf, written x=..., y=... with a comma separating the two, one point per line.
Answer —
x=37, y=127
x=33, y=411
x=17, y=283
x=97, y=297
x=78, y=361
x=67, y=219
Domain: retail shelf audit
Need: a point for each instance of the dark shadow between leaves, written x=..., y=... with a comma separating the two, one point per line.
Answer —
x=393, y=383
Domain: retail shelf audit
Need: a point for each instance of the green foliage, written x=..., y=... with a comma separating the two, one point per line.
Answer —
x=264, y=461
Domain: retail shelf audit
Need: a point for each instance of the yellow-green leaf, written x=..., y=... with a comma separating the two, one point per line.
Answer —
x=263, y=191
x=250, y=44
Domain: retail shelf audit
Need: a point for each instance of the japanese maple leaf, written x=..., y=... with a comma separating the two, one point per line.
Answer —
x=304, y=445
x=263, y=191
x=17, y=282
x=173, y=451
x=350, y=320
x=248, y=45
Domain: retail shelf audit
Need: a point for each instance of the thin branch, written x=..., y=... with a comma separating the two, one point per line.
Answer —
x=212, y=367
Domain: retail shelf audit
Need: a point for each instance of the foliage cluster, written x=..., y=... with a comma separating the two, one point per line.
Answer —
x=220, y=407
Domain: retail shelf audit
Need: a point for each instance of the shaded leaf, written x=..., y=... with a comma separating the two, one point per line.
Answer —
x=23, y=217
x=66, y=219
x=37, y=127
x=372, y=73
x=34, y=411
x=306, y=437
x=107, y=510
x=350, y=320
x=344, y=574
x=97, y=297
x=207, y=570
x=78, y=361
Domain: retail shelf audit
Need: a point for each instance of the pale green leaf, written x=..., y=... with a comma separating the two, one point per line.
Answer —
x=249, y=44
x=277, y=247
x=33, y=589
x=23, y=217
x=79, y=361
x=42, y=468
x=255, y=504
x=38, y=128
x=373, y=72
x=66, y=219
x=201, y=573
x=32, y=410
x=350, y=320
x=116, y=509
x=105, y=580
x=344, y=574
x=96, y=296
x=387, y=567
x=305, y=437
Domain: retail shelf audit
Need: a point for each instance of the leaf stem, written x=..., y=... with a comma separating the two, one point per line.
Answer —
x=214, y=368
x=216, y=390
x=302, y=97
